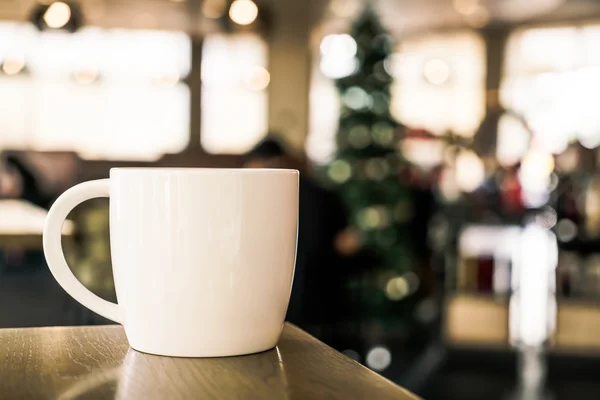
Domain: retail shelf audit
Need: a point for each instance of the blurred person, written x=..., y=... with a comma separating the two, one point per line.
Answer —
x=316, y=292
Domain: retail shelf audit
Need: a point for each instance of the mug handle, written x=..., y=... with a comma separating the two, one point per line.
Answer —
x=55, y=256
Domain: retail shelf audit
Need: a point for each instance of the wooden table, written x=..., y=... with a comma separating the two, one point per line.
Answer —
x=22, y=223
x=97, y=363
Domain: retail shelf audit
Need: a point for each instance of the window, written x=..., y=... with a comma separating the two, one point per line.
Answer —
x=324, y=111
x=234, y=92
x=440, y=83
x=552, y=79
x=106, y=94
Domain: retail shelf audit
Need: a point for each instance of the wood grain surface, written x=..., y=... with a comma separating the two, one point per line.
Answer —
x=97, y=363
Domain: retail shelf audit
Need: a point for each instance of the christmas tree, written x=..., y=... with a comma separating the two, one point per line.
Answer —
x=366, y=171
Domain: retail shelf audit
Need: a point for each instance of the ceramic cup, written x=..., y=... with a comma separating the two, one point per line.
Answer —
x=203, y=259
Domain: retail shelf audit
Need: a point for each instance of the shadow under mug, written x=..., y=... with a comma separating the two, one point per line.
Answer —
x=203, y=259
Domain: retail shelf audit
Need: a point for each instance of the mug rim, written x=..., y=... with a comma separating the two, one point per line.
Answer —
x=191, y=170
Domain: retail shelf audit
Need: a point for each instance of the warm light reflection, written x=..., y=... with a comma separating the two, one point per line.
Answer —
x=57, y=15
x=85, y=77
x=258, y=78
x=534, y=175
x=423, y=153
x=536, y=168
x=470, y=171
x=13, y=65
x=448, y=187
x=436, y=71
x=243, y=12
x=512, y=141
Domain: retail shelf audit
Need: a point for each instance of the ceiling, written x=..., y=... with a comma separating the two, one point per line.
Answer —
x=141, y=14
x=400, y=16
x=405, y=16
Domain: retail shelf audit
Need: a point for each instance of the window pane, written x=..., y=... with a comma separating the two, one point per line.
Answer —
x=552, y=78
x=324, y=115
x=234, y=92
x=107, y=94
x=541, y=50
x=440, y=83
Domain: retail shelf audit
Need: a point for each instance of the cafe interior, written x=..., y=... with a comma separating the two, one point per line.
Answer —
x=450, y=146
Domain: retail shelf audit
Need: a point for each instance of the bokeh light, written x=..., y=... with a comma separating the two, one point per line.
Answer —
x=340, y=171
x=470, y=171
x=375, y=217
x=534, y=175
x=448, y=186
x=379, y=358
x=436, y=71
x=399, y=287
x=243, y=12
x=13, y=65
x=257, y=78
x=427, y=311
x=546, y=218
x=85, y=77
x=341, y=46
x=57, y=15
x=338, y=56
x=566, y=230
x=376, y=169
x=357, y=98
x=383, y=133
x=358, y=137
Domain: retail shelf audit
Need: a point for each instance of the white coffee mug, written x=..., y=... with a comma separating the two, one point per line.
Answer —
x=203, y=259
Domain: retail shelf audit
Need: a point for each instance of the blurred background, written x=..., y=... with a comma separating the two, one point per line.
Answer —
x=450, y=199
